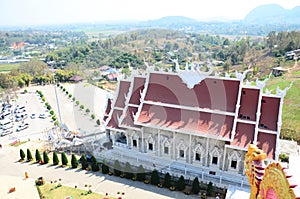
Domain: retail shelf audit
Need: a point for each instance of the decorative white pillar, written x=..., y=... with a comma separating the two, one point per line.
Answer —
x=258, y=113
x=207, y=153
x=190, y=150
x=224, y=158
x=158, y=144
x=174, y=140
x=143, y=144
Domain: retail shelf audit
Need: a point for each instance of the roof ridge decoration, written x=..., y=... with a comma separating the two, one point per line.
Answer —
x=194, y=75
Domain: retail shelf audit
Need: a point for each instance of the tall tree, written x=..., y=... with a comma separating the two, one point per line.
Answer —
x=117, y=168
x=167, y=181
x=22, y=154
x=74, y=161
x=155, y=177
x=84, y=163
x=195, y=186
x=95, y=164
x=140, y=176
x=64, y=159
x=45, y=157
x=128, y=171
x=37, y=156
x=55, y=158
x=29, y=156
x=180, y=184
x=105, y=168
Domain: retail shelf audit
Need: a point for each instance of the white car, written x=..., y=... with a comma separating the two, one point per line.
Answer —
x=32, y=116
x=6, y=132
x=21, y=117
x=22, y=127
x=42, y=115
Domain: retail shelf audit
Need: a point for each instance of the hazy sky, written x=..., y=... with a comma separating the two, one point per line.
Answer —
x=29, y=12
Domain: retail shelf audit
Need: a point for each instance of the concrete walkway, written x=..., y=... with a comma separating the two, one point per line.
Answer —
x=11, y=168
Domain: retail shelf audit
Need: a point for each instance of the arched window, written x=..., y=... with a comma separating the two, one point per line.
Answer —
x=215, y=156
x=166, y=146
x=134, y=141
x=198, y=153
x=181, y=148
x=150, y=143
x=234, y=158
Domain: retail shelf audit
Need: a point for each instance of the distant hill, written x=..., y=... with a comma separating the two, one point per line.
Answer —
x=273, y=14
x=170, y=22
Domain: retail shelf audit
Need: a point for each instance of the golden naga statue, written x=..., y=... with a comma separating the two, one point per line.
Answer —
x=267, y=182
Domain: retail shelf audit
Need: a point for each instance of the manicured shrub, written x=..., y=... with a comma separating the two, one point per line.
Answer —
x=64, y=159
x=210, y=189
x=81, y=107
x=29, y=156
x=74, y=162
x=22, y=154
x=94, y=164
x=70, y=95
x=73, y=99
x=117, y=168
x=98, y=122
x=37, y=156
x=45, y=157
x=180, y=184
x=195, y=186
x=128, y=171
x=55, y=158
x=87, y=110
x=93, y=116
x=140, y=176
x=77, y=102
x=104, y=168
x=167, y=181
x=154, y=177
x=84, y=164
x=51, y=112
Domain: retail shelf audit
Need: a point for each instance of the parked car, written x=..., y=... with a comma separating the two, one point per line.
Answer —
x=21, y=117
x=22, y=127
x=32, y=116
x=42, y=115
x=6, y=132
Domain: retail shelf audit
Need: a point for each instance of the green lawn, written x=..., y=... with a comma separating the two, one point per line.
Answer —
x=291, y=108
x=51, y=191
x=8, y=67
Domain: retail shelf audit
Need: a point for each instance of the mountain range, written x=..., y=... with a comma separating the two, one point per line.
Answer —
x=273, y=13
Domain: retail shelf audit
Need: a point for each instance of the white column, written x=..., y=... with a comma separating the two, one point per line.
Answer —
x=224, y=158
x=158, y=144
x=174, y=140
x=190, y=150
x=207, y=152
x=279, y=123
x=143, y=146
x=258, y=113
x=237, y=108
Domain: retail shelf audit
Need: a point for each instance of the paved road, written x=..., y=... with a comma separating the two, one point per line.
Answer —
x=88, y=95
x=9, y=166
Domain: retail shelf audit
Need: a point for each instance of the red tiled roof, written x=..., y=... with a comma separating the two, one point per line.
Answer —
x=138, y=87
x=186, y=120
x=123, y=90
x=244, y=135
x=269, y=113
x=248, y=104
x=113, y=122
x=128, y=119
x=76, y=78
x=267, y=142
x=210, y=93
x=108, y=106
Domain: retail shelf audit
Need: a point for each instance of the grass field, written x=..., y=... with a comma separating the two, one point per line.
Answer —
x=52, y=191
x=8, y=67
x=291, y=108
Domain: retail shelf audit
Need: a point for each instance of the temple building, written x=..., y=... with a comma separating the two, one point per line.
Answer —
x=193, y=123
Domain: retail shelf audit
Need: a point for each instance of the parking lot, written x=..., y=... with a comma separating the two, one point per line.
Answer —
x=36, y=126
